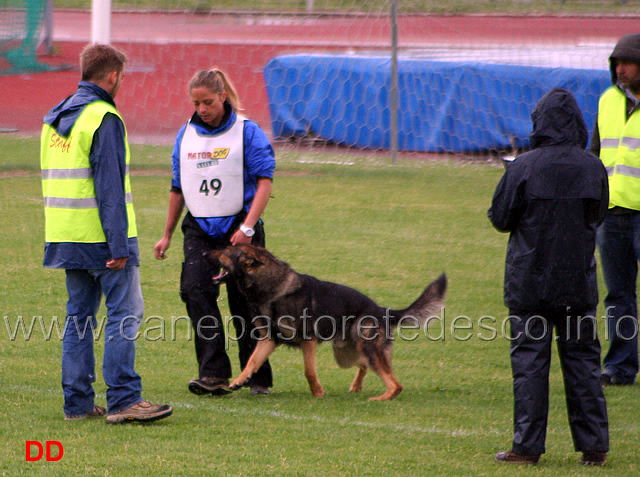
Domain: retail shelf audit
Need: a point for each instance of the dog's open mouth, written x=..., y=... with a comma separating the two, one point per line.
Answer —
x=220, y=276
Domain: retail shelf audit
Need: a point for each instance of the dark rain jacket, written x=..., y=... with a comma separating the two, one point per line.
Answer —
x=551, y=200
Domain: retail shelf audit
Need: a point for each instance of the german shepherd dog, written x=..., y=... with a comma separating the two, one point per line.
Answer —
x=300, y=310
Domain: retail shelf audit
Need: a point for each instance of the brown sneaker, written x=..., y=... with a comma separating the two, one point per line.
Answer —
x=142, y=412
x=515, y=458
x=210, y=385
x=593, y=458
x=97, y=411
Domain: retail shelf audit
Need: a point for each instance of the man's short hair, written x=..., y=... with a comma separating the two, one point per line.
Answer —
x=97, y=61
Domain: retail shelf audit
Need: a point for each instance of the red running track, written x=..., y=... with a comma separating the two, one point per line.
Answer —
x=166, y=49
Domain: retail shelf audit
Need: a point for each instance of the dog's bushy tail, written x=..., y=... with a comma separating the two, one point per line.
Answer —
x=428, y=305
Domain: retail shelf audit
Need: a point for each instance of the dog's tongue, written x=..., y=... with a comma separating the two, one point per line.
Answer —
x=217, y=278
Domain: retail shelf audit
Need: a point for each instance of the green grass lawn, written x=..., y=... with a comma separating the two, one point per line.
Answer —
x=355, y=219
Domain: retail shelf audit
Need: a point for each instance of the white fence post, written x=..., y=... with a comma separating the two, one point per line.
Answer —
x=101, y=21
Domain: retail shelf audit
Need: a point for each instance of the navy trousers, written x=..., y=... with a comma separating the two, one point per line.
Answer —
x=200, y=295
x=579, y=351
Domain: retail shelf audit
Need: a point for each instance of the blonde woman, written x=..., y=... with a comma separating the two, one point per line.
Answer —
x=223, y=168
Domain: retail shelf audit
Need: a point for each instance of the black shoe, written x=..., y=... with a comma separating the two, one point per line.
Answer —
x=515, y=458
x=608, y=380
x=593, y=458
x=207, y=385
x=255, y=389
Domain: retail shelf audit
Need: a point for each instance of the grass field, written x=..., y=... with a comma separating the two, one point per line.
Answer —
x=386, y=230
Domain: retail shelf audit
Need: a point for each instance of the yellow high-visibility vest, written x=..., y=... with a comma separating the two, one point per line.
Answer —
x=70, y=205
x=620, y=149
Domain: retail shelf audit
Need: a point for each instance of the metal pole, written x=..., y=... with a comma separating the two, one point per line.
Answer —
x=394, y=81
x=101, y=21
x=47, y=29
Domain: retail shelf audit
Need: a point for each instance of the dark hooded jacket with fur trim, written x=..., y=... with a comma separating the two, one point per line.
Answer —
x=551, y=200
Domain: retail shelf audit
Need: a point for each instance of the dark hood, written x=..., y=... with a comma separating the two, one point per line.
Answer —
x=627, y=48
x=63, y=116
x=557, y=120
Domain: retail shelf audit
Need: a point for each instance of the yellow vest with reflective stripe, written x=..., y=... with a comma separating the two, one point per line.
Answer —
x=70, y=205
x=620, y=149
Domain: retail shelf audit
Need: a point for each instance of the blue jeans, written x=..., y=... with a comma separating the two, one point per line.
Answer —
x=619, y=246
x=125, y=309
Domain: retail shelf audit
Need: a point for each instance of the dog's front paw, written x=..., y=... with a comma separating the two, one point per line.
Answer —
x=238, y=383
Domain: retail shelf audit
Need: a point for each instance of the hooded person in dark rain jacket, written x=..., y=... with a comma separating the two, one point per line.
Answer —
x=551, y=200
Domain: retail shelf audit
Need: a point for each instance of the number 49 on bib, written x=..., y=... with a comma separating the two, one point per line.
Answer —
x=213, y=185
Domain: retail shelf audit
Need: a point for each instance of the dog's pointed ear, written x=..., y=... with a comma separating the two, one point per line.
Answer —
x=252, y=262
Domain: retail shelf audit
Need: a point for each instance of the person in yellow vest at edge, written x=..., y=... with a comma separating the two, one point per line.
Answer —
x=90, y=232
x=616, y=139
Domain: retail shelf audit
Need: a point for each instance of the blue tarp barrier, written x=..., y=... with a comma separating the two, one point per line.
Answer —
x=443, y=106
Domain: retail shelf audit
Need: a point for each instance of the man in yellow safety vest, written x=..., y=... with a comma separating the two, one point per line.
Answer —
x=616, y=139
x=90, y=232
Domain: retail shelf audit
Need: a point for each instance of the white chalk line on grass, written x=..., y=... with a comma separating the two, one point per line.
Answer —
x=342, y=422
x=226, y=409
